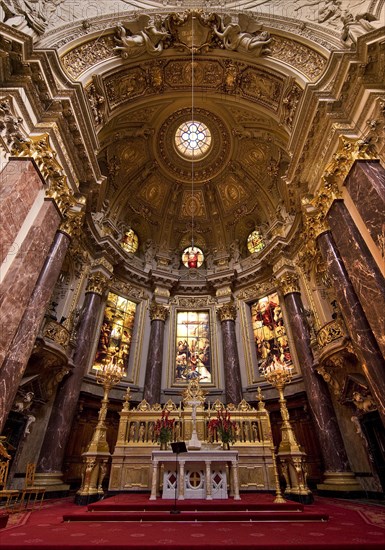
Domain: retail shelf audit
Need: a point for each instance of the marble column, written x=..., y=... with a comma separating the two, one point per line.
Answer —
x=364, y=274
x=232, y=373
x=365, y=345
x=153, y=378
x=22, y=344
x=65, y=404
x=331, y=444
x=365, y=184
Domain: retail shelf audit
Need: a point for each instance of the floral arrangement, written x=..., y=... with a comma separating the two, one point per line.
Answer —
x=163, y=427
x=222, y=426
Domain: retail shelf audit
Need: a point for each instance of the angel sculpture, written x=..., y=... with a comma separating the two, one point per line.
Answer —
x=241, y=36
x=140, y=36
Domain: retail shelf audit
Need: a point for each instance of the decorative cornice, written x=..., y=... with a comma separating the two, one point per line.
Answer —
x=158, y=312
x=227, y=312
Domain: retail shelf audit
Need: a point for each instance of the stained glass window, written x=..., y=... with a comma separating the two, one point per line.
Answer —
x=192, y=353
x=255, y=242
x=130, y=241
x=193, y=139
x=116, y=332
x=192, y=257
x=270, y=337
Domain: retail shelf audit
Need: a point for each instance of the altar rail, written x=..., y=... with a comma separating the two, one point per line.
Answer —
x=131, y=460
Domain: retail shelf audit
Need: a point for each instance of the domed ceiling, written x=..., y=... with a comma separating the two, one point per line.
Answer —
x=246, y=76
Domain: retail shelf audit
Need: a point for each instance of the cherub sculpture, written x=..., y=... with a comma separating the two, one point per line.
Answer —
x=242, y=36
x=141, y=36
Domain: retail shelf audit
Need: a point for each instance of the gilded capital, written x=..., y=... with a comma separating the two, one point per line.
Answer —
x=227, y=312
x=158, y=311
x=72, y=223
x=289, y=282
x=97, y=283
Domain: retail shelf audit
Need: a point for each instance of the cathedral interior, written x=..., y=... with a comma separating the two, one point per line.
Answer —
x=192, y=193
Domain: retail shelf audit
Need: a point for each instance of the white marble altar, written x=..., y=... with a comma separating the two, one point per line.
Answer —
x=190, y=472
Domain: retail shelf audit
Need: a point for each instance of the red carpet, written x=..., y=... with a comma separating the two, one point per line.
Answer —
x=351, y=525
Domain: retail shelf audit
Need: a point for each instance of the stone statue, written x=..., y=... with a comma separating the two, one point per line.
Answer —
x=353, y=27
x=234, y=38
x=141, y=36
x=31, y=12
x=149, y=251
x=234, y=250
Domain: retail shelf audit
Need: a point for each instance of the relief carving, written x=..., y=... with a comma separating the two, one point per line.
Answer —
x=142, y=35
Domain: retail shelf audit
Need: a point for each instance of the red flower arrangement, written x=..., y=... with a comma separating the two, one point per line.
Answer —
x=223, y=426
x=163, y=427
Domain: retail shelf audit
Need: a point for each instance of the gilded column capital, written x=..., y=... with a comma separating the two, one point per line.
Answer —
x=39, y=149
x=72, y=223
x=158, y=312
x=289, y=282
x=227, y=312
x=97, y=283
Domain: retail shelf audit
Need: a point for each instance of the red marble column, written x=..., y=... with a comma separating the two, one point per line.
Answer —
x=364, y=274
x=232, y=373
x=331, y=443
x=153, y=378
x=362, y=337
x=366, y=186
x=21, y=277
x=21, y=347
x=67, y=396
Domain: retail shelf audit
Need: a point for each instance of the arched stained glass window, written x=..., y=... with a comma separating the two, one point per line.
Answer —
x=193, y=139
x=130, y=241
x=270, y=336
x=116, y=331
x=255, y=242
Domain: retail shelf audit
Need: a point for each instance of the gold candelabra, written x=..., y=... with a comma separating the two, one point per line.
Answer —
x=108, y=375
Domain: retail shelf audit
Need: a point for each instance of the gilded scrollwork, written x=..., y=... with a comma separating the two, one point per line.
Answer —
x=97, y=283
x=57, y=333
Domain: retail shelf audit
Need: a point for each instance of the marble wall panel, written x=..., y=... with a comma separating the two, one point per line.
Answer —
x=364, y=274
x=19, y=185
x=366, y=186
x=20, y=280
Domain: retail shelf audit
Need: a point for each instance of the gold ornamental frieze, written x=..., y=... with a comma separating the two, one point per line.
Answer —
x=83, y=57
x=306, y=60
x=180, y=74
x=57, y=333
x=329, y=333
x=122, y=86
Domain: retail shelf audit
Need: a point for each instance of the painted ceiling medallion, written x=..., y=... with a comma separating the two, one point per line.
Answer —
x=176, y=146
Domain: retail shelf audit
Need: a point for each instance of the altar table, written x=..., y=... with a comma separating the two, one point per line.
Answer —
x=192, y=470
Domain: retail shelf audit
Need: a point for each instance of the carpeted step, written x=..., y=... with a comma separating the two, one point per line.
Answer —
x=191, y=516
x=202, y=506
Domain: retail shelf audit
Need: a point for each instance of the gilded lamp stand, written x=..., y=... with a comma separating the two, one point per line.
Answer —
x=291, y=456
x=97, y=455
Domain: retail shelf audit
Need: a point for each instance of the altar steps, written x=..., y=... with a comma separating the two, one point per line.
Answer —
x=251, y=508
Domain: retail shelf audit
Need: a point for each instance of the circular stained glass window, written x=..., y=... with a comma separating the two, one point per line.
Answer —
x=192, y=257
x=255, y=242
x=193, y=139
x=130, y=241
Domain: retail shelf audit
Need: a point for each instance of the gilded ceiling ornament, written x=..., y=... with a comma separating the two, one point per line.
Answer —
x=125, y=85
x=304, y=58
x=158, y=312
x=83, y=57
x=227, y=312
x=289, y=282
